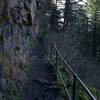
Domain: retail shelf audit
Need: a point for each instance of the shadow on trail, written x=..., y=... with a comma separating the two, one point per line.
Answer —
x=40, y=80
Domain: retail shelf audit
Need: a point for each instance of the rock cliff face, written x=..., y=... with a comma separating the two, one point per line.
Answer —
x=18, y=27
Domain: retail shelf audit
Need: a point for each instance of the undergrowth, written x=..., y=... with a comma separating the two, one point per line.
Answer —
x=80, y=93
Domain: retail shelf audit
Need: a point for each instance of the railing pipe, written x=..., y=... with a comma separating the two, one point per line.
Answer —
x=74, y=88
x=51, y=49
x=86, y=89
x=64, y=61
x=64, y=85
x=75, y=77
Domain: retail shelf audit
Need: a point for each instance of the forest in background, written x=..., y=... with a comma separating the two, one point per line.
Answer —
x=74, y=25
x=83, y=16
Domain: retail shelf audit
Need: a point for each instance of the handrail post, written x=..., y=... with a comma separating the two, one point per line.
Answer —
x=51, y=48
x=74, y=88
x=56, y=59
x=56, y=64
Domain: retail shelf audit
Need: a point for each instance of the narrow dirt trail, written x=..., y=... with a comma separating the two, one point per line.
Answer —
x=40, y=79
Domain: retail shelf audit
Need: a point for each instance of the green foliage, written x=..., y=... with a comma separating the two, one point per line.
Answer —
x=2, y=57
x=95, y=92
x=98, y=94
x=41, y=35
x=16, y=92
x=1, y=39
x=94, y=12
x=6, y=16
x=80, y=93
x=53, y=15
x=92, y=6
x=54, y=18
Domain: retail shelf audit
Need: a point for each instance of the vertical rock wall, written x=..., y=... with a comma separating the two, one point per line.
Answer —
x=18, y=28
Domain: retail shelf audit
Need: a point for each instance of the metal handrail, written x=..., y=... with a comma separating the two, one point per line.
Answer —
x=75, y=76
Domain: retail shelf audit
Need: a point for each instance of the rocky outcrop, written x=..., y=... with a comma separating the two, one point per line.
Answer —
x=18, y=28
